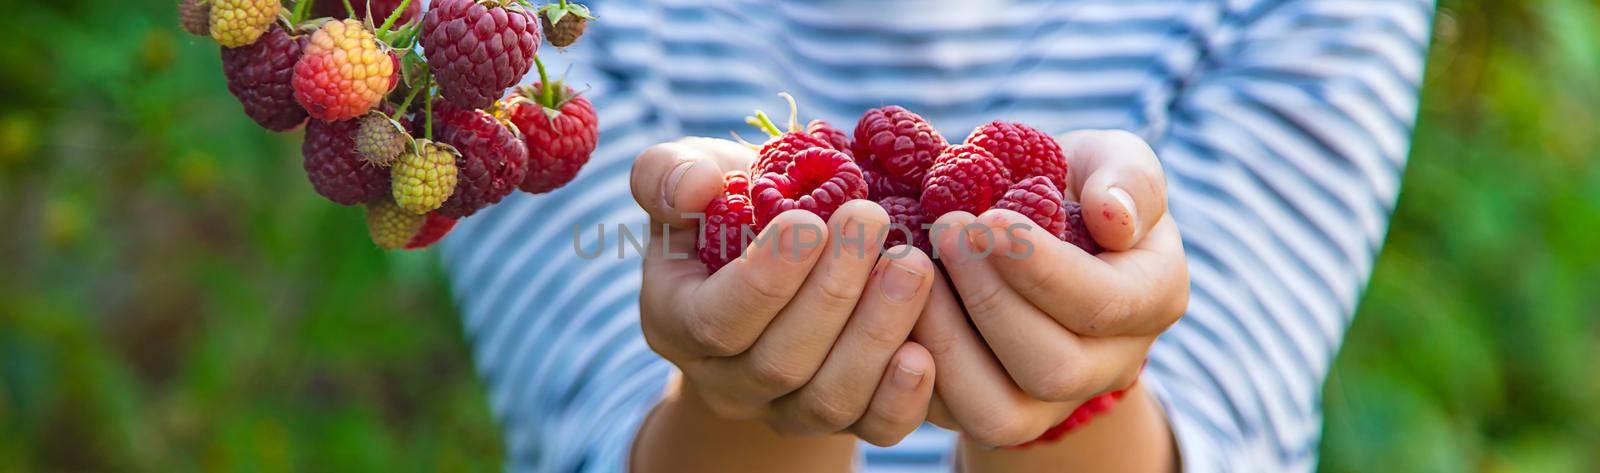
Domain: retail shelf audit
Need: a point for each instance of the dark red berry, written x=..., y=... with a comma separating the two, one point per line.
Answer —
x=727, y=219
x=478, y=50
x=493, y=159
x=335, y=168
x=776, y=155
x=381, y=9
x=261, y=75
x=906, y=220
x=834, y=137
x=1077, y=232
x=433, y=230
x=1039, y=199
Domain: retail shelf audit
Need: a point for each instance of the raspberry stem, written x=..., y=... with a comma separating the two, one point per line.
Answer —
x=393, y=17
x=406, y=105
x=427, y=131
x=764, y=122
x=547, y=95
x=349, y=10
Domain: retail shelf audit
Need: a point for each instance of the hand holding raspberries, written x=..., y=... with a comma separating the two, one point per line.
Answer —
x=806, y=332
x=403, y=102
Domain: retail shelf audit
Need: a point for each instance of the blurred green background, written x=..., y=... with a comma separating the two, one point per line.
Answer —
x=174, y=296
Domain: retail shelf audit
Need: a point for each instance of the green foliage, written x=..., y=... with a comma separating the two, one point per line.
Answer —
x=176, y=297
x=1474, y=348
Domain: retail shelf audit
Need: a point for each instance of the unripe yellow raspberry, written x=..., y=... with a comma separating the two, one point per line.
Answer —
x=425, y=178
x=390, y=227
x=236, y=23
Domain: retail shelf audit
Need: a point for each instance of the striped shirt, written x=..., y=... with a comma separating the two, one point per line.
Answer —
x=1283, y=126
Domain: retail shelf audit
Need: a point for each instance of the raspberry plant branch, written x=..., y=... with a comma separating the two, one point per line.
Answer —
x=427, y=131
x=406, y=105
x=393, y=17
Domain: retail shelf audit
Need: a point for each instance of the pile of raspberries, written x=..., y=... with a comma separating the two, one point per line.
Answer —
x=415, y=114
x=897, y=159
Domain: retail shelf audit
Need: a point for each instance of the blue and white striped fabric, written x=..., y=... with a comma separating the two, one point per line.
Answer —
x=1283, y=126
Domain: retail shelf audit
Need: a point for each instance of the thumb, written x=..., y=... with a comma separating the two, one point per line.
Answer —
x=672, y=181
x=1120, y=184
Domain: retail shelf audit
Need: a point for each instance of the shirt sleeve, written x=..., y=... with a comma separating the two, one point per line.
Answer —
x=1284, y=151
x=552, y=318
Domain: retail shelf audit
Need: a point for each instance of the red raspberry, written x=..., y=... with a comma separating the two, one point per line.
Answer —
x=726, y=219
x=261, y=75
x=736, y=182
x=478, y=48
x=820, y=180
x=336, y=169
x=345, y=71
x=1026, y=151
x=834, y=137
x=493, y=160
x=880, y=186
x=778, y=153
x=1077, y=232
x=1038, y=198
x=433, y=229
x=557, y=146
x=897, y=142
x=965, y=178
x=381, y=9
x=905, y=215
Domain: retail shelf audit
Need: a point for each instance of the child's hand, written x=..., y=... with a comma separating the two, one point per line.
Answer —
x=1058, y=326
x=811, y=338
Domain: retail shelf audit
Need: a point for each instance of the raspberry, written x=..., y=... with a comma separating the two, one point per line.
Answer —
x=1076, y=232
x=345, y=71
x=1038, y=198
x=820, y=180
x=897, y=142
x=964, y=177
x=433, y=229
x=560, y=139
x=381, y=9
x=390, y=226
x=261, y=75
x=736, y=182
x=726, y=219
x=880, y=186
x=905, y=216
x=564, y=23
x=1026, y=151
x=492, y=162
x=335, y=170
x=236, y=23
x=478, y=48
x=778, y=153
x=423, y=179
x=195, y=16
x=834, y=137
x=380, y=140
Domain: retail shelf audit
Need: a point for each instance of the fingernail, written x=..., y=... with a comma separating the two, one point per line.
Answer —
x=979, y=238
x=907, y=377
x=1126, y=201
x=669, y=190
x=792, y=247
x=901, y=282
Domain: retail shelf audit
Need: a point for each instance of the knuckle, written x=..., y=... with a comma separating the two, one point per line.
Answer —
x=988, y=301
x=1001, y=430
x=765, y=287
x=777, y=375
x=712, y=338
x=836, y=295
x=940, y=344
x=1064, y=383
x=826, y=415
x=1110, y=312
x=881, y=333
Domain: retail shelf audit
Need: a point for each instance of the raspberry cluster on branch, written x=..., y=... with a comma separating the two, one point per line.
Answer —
x=405, y=107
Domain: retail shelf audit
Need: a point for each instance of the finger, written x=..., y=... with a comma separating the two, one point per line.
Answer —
x=939, y=414
x=1120, y=184
x=901, y=402
x=793, y=346
x=981, y=399
x=1141, y=291
x=670, y=180
x=841, y=390
x=723, y=315
x=1045, y=359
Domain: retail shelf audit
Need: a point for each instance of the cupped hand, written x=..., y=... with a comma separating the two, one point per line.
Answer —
x=1052, y=326
x=808, y=331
